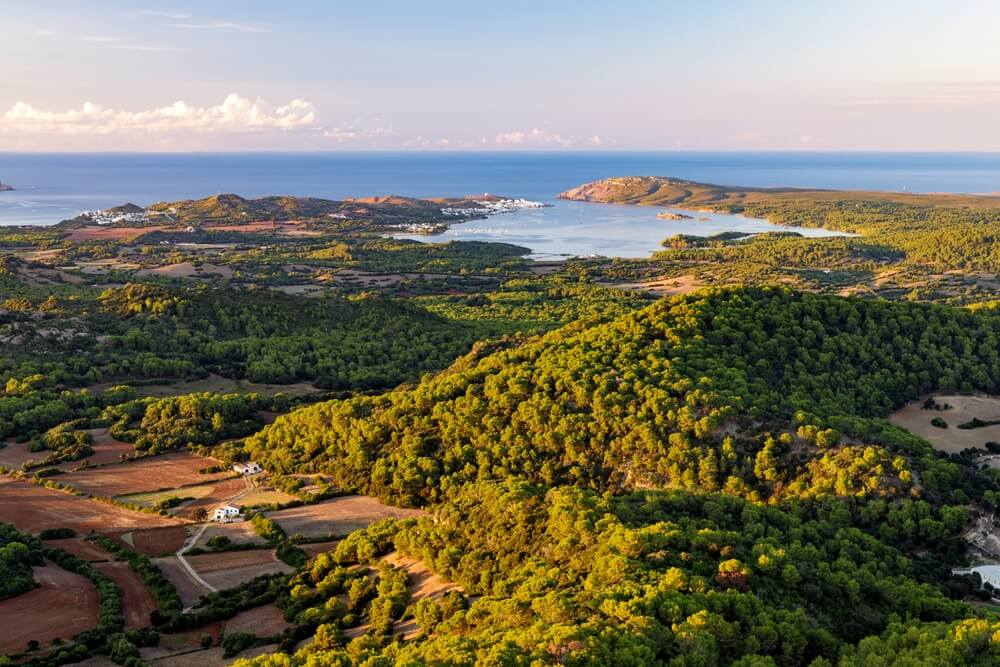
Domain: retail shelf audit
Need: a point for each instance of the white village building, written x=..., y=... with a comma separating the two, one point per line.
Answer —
x=248, y=468
x=226, y=513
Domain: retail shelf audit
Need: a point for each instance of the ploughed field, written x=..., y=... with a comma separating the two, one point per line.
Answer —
x=62, y=605
x=153, y=473
x=337, y=516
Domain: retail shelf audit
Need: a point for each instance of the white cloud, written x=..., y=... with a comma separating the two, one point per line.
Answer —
x=235, y=115
x=225, y=26
x=532, y=137
x=45, y=32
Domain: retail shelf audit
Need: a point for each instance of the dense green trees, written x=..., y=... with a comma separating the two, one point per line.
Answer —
x=731, y=390
x=18, y=552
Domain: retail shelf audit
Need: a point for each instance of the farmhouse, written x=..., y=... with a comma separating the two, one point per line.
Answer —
x=226, y=513
x=248, y=468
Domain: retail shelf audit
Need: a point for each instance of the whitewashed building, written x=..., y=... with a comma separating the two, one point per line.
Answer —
x=248, y=468
x=227, y=513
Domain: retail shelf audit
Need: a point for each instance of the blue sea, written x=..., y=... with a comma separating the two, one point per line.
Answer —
x=53, y=187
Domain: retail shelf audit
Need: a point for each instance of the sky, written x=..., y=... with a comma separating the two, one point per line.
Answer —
x=514, y=75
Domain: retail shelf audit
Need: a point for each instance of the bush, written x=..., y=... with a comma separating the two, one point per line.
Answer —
x=57, y=533
x=939, y=423
x=237, y=642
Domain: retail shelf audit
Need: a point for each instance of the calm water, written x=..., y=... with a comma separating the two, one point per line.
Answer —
x=52, y=187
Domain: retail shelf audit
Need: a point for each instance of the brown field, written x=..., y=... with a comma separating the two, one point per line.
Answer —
x=112, y=233
x=63, y=605
x=241, y=532
x=81, y=548
x=316, y=548
x=665, y=285
x=187, y=270
x=146, y=474
x=187, y=588
x=137, y=601
x=262, y=621
x=15, y=454
x=153, y=541
x=228, y=569
x=337, y=516
x=33, y=508
x=175, y=643
x=952, y=439
x=207, y=496
x=106, y=450
x=210, y=657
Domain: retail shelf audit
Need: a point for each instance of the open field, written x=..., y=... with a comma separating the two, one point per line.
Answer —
x=33, y=508
x=211, y=657
x=228, y=569
x=187, y=588
x=316, y=548
x=337, y=516
x=239, y=532
x=137, y=601
x=81, y=548
x=423, y=584
x=187, y=270
x=963, y=409
x=665, y=286
x=15, y=454
x=63, y=605
x=262, y=621
x=153, y=541
x=110, y=233
x=207, y=496
x=146, y=474
x=106, y=450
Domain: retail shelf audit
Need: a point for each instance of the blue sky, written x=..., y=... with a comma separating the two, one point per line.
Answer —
x=763, y=75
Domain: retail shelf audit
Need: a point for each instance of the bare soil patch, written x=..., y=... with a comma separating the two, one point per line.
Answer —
x=262, y=621
x=210, y=657
x=952, y=439
x=106, y=450
x=316, y=548
x=666, y=285
x=153, y=541
x=240, y=533
x=337, y=516
x=63, y=605
x=15, y=454
x=81, y=548
x=33, y=508
x=146, y=474
x=188, y=270
x=188, y=589
x=137, y=601
x=112, y=233
x=228, y=569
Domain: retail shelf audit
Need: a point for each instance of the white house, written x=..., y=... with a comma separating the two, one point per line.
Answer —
x=226, y=513
x=248, y=468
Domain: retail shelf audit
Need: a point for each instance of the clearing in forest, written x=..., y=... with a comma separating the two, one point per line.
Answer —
x=63, y=604
x=337, y=516
x=963, y=409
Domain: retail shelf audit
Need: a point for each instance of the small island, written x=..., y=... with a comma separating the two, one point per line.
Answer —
x=670, y=215
x=4, y=187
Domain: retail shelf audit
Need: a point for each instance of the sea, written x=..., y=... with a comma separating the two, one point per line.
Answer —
x=51, y=187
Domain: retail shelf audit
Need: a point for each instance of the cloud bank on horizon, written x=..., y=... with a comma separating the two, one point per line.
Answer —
x=711, y=75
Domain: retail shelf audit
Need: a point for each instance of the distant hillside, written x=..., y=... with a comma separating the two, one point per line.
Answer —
x=234, y=209
x=665, y=191
x=4, y=187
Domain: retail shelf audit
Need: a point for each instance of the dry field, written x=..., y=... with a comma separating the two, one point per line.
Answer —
x=423, y=584
x=952, y=439
x=187, y=588
x=187, y=270
x=33, y=508
x=337, y=516
x=228, y=569
x=316, y=548
x=146, y=474
x=262, y=621
x=153, y=541
x=210, y=657
x=63, y=605
x=137, y=601
x=241, y=532
x=81, y=548
x=666, y=285
x=110, y=233
x=106, y=450
x=207, y=496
